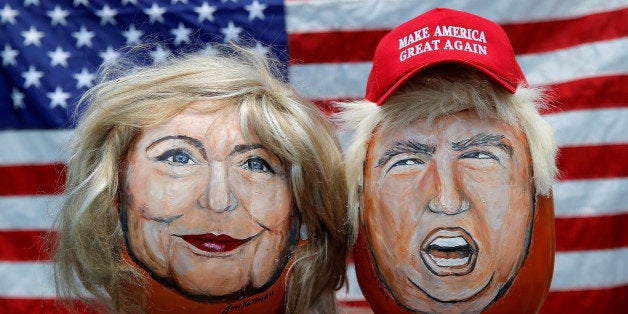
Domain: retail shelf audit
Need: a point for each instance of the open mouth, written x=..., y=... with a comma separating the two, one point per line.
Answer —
x=212, y=243
x=449, y=251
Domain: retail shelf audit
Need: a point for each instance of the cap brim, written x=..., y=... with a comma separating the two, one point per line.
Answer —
x=511, y=88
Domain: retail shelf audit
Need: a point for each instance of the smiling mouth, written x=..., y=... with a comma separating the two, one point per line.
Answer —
x=212, y=243
x=449, y=251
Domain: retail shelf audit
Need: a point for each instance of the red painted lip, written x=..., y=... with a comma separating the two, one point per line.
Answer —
x=212, y=243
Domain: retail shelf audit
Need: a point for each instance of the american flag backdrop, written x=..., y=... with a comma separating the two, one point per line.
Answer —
x=50, y=51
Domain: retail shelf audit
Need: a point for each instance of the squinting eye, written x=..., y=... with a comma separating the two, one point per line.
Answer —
x=176, y=157
x=478, y=155
x=257, y=164
x=408, y=162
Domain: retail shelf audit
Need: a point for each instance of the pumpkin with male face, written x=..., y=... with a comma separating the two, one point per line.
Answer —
x=525, y=294
x=449, y=217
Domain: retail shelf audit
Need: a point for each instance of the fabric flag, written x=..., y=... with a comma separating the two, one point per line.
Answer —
x=50, y=52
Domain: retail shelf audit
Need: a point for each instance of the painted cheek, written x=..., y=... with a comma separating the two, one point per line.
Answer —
x=167, y=196
x=149, y=243
x=267, y=201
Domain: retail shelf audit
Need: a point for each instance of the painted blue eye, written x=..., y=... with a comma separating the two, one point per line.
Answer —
x=478, y=154
x=257, y=164
x=177, y=157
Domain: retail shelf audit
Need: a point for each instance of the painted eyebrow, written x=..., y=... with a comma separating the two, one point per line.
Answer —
x=243, y=148
x=406, y=146
x=483, y=139
x=190, y=140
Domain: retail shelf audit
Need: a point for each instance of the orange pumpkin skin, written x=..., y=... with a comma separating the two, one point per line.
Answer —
x=526, y=294
x=161, y=299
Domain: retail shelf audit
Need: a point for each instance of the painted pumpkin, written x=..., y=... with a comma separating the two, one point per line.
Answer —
x=526, y=294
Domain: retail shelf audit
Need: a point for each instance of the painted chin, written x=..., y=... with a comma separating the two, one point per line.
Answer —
x=449, y=252
x=210, y=244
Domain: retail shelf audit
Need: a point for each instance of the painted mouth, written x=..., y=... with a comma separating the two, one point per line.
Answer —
x=212, y=243
x=449, y=251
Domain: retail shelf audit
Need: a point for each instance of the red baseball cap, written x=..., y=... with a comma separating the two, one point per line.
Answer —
x=442, y=36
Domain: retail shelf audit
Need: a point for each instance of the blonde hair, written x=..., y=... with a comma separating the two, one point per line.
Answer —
x=129, y=99
x=442, y=91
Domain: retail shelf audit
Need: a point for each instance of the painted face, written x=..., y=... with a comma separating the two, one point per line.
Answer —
x=447, y=210
x=207, y=212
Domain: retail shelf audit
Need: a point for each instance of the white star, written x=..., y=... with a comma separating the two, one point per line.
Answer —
x=160, y=54
x=7, y=14
x=175, y=1
x=59, y=56
x=83, y=37
x=231, y=32
x=58, y=98
x=205, y=12
x=57, y=16
x=134, y=2
x=261, y=49
x=79, y=2
x=107, y=15
x=29, y=2
x=181, y=34
x=8, y=56
x=256, y=10
x=109, y=55
x=32, y=36
x=133, y=35
x=155, y=13
x=18, y=98
x=32, y=77
x=209, y=50
x=84, y=79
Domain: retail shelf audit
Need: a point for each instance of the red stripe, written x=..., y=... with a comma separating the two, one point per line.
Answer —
x=545, y=36
x=533, y=37
x=328, y=105
x=591, y=162
x=611, y=300
x=335, y=47
x=353, y=305
x=591, y=233
x=589, y=93
x=32, y=179
x=48, y=306
x=24, y=245
x=583, y=94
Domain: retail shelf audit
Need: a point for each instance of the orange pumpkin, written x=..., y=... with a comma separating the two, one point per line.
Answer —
x=161, y=299
x=526, y=294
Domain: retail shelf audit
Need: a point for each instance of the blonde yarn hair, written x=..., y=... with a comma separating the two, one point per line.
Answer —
x=442, y=91
x=88, y=254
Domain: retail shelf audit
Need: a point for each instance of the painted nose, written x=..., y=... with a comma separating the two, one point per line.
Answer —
x=217, y=196
x=448, y=199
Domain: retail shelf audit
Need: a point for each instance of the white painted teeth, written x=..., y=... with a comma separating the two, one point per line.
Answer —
x=449, y=242
x=450, y=262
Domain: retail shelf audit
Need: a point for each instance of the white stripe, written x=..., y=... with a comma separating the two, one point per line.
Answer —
x=332, y=80
x=579, y=270
x=584, y=270
x=34, y=146
x=351, y=292
x=594, y=59
x=590, y=127
x=582, y=198
x=28, y=212
x=602, y=197
x=330, y=15
x=26, y=280
x=337, y=80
